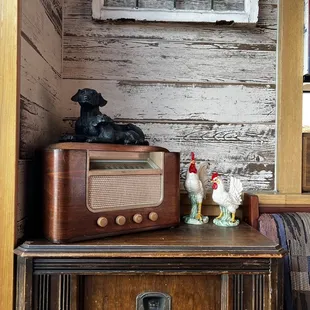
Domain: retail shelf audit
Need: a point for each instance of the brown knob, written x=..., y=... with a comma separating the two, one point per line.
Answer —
x=102, y=221
x=120, y=220
x=137, y=218
x=153, y=216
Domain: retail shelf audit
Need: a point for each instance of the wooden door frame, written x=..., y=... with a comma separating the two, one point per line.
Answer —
x=9, y=124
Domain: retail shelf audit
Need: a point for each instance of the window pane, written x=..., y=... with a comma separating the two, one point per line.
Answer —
x=193, y=4
x=156, y=4
x=120, y=3
x=228, y=5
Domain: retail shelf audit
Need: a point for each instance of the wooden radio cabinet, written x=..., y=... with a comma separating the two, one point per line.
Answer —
x=185, y=268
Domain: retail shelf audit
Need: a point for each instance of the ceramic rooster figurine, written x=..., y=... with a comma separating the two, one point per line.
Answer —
x=228, y=201
x=195, y=184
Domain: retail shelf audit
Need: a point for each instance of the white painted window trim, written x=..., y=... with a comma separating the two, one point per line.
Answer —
x=249, y=15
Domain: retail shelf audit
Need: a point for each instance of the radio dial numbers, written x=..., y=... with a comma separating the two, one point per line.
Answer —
x=120, y=220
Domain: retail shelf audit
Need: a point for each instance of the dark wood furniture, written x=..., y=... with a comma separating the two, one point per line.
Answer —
x=94, y=190
x=189, y=268
x=252, y=209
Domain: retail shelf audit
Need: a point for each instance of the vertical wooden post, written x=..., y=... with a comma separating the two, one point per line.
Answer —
x=289, y=103
x=24, y=284
x=9, y=93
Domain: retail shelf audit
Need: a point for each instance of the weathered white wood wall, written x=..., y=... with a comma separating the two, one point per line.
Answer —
x=204, y=88
x=41, y=61
x=40, y=114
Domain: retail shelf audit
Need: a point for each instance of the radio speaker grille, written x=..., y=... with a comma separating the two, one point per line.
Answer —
x=120, y=192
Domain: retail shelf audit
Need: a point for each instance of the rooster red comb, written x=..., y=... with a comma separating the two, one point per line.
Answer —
x=214, y=175
x=193, y=155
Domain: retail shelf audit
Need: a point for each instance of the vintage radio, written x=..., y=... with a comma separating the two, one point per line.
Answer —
x=96, y=190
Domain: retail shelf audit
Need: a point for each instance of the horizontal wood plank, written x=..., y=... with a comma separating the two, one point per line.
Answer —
x=203, y=88
x=246, y=103
x=246, y=151
x=40, y=121
x=167, y=61
x=76, y=26
x=40, y=32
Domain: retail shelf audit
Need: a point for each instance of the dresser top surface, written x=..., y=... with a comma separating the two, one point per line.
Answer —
x=206, y=240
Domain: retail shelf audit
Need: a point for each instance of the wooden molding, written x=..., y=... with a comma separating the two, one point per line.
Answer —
x=9, y=93
x=283, y=199
x=290, y=85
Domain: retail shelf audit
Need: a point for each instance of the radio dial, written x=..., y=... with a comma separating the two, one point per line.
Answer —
x=137, y=218
x=153, y=216
x=102, y=221
x=120, y=220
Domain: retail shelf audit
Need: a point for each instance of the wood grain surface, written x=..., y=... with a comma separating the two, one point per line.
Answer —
x=183, y=241
x=41, y=67
x=289, y=138
x=205, y=88
x=9, y=108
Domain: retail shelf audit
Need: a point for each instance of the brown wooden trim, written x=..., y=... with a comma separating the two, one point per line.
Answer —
x=290, y=84
x=9, y=93
x=250, y=210
x=283, y=209
x=24, y=284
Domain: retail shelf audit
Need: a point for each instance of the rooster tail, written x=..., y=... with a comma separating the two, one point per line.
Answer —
x=235, y=190
x=203, y=177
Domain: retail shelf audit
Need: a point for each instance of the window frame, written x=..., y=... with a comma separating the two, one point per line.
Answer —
x=249, y=15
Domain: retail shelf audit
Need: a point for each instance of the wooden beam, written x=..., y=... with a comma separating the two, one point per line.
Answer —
x=290, y=76
x=9, y=93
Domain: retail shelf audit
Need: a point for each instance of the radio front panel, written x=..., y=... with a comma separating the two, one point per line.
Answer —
x=97, y=192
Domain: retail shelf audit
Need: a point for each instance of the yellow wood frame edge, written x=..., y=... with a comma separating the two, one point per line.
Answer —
x=283, y=199
x=9, y=110
x=289, y=101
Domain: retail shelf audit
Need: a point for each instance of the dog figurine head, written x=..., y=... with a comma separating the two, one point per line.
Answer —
x=90, y=97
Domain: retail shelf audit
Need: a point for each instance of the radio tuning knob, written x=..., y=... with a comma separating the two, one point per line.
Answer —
x=102, y=221
x=153, y=216
x=120, y=220
x=137, y=218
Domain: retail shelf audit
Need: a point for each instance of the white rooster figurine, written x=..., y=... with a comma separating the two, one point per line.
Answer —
x=228, y=201
x=196, y=184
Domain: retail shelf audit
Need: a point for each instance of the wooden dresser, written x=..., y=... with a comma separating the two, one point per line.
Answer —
x=184, y=268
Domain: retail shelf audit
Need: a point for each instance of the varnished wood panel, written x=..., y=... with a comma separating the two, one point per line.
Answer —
x=119, y=292
x=236, y=269
x=166, y=242
x=289, y=142
x=9, y=93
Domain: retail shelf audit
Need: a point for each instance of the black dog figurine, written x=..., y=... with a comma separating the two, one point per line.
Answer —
x=93, y=126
